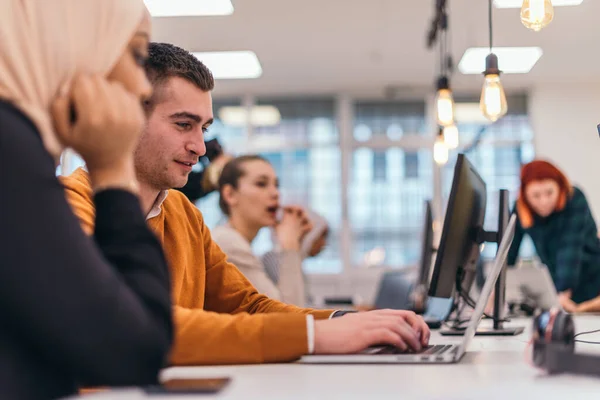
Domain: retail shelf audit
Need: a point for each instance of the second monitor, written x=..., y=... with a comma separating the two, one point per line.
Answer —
x=462, y=234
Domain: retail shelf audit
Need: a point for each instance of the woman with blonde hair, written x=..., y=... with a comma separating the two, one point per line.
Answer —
x=557, y=217
x=77, y=310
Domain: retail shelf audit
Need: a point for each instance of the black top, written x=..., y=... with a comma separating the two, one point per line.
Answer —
x=193, y=188
x=76, y=311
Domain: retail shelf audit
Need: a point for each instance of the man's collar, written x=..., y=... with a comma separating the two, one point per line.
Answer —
x=156, y=207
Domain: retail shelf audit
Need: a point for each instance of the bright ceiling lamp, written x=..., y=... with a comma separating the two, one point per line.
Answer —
x=512, y=60
x=231, y=64
x=444, y=102
x=493, y=100
x=451, y=136
x=238, y=116
x=188, y=8
x=537, y=14
x=440, y=150
x=519, y=3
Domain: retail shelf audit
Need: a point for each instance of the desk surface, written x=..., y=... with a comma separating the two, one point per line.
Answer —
x=493, y=368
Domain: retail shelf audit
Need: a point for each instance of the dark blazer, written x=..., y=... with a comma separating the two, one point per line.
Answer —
x=75, y=310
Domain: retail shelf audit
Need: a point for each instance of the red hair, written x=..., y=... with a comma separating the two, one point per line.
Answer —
x=540, y=170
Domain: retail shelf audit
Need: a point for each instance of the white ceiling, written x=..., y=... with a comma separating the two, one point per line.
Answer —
x=366, y=46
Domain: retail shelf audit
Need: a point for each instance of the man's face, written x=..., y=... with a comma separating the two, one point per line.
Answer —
x=173, y=138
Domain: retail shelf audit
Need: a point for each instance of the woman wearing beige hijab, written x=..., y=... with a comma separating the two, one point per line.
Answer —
x=75, y=310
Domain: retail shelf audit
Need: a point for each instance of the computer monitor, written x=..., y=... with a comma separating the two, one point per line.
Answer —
x=458, y=251
x=396, y=290
x=426, y=247
x=465, y=279
x=421, y=287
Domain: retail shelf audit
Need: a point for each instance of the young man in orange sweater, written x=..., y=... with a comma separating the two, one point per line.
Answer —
x=219, y=316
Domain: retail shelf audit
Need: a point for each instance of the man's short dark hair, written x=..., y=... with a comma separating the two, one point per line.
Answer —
x=166, y=60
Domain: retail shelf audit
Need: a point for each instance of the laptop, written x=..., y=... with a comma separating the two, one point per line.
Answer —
x=439, y=353
x=532, y=284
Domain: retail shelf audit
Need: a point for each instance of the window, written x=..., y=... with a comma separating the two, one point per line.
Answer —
x=231, y=136
x=411, y=165
x=391, y=119
x=304, y=123
x=362, y=133
x=379, y=166
x=388, y=213
x=385, y=202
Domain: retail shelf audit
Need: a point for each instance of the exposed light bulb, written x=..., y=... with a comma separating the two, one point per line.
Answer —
x=440, y=151
x=444, y=103
x=451, y=136
x=493, y=100
x=536, y=14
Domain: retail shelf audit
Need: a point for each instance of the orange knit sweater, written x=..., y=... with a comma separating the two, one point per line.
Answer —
x=219, y=316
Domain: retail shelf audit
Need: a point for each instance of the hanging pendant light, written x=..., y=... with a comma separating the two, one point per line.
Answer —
x=493, y=99
x=440, y=151
x=536, y=14
x=444, y=102
x=451, y=136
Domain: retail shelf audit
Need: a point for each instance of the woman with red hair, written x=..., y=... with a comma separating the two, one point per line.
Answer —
x=558, y=219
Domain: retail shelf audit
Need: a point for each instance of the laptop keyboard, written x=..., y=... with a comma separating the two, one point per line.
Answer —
x=437, y=349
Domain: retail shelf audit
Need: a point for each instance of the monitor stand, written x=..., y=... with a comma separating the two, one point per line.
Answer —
x=485, y=332
x=499, y=331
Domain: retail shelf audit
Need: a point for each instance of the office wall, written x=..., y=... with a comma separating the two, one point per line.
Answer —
x=564, y=119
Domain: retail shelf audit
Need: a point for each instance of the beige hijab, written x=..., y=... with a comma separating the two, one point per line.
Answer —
x=44, y=43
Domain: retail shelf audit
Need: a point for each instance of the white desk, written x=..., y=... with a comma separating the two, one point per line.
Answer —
x=493, y=368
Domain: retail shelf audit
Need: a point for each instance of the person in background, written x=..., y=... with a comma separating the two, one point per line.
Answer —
x=220, y=318
x=249, y=197
x=76, y=310
x=204, y=182
x=557, y=217
x=312, y=245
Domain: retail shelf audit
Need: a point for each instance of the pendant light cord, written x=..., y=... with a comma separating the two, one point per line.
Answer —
x=490, y=22
x=443, y=42
x=445, y=58
x=441, y=55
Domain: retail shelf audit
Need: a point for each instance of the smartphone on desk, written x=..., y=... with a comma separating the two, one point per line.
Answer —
x=189, y=386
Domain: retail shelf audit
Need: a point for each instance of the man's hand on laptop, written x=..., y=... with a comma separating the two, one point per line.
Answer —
x=355, y=332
